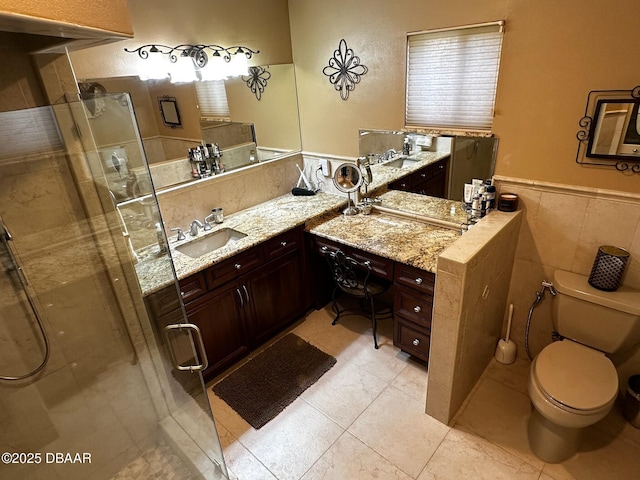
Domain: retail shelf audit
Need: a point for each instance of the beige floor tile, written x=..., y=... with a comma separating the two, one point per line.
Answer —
x=500, y=414
x=293, y=441
x=463, y=455
x=344, y=392
x=514, y=375
x=600, y=457
x=349, y=458
x=242, y=465
x=412, y=380
x=396, y=427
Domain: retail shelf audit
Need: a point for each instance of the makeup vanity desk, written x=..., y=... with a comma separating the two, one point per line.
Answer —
x=403, y=248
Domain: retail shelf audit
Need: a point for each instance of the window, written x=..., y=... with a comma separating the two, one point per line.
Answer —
x=212, y=100
x=452, y=76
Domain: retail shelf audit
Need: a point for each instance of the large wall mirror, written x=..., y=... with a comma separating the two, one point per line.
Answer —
x=256, y=130
x=470, y=157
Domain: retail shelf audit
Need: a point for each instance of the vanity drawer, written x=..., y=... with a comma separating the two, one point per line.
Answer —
x=284, y=243
x=411, y=339
x=412, y=305
x=192, y=287
x=233, y=267
x=320, y=242
x=415, y=278
x=422, y=175
x=403, y=184
x=380, y=266
x=162, y=302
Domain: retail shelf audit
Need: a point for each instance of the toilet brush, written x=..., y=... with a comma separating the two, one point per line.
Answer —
x=506, y=349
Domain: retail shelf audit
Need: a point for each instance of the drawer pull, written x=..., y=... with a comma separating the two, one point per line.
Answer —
x=237, y=266
x=284, y=244
x=182, y=294
x=417, y=309
x=418, y=281
x=416, y=342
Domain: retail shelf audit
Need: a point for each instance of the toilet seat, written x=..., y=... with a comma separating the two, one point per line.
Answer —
x=575, y=378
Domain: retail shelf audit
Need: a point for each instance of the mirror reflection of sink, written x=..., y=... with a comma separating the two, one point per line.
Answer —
x=213, y=241
x=402, y=162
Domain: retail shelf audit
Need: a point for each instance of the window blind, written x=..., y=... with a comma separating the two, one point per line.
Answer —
x=452, y=75
x=212, y=100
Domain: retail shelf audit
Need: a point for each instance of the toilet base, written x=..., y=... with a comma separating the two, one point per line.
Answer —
x=550, y=442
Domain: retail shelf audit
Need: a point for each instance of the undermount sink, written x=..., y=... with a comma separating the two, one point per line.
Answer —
x=402, y=162
x=213, y=241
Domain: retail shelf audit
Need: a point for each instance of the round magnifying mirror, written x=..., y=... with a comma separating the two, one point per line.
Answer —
x=347, y=179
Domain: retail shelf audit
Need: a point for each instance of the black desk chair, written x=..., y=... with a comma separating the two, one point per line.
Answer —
x=353, y=278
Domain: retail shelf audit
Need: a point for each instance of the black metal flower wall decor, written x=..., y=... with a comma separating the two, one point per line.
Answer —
x=344, y=70
x=257, y=80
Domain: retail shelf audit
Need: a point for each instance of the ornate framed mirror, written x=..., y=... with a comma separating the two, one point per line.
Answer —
x=610, y=130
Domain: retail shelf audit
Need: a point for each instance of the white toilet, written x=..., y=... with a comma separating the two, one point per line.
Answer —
x=572, y=384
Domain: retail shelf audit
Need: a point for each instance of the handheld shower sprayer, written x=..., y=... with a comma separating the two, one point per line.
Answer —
x=539, y=297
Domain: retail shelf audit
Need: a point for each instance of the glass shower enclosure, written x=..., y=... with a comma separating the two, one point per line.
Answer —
x=99, y=373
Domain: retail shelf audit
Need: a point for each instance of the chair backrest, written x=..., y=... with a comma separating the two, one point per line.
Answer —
x=349, y=274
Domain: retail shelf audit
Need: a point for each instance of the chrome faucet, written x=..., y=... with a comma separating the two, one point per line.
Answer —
x=193, y=230
x=389, y=154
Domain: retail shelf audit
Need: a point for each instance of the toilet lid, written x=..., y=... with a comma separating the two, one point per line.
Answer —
x=576, y=376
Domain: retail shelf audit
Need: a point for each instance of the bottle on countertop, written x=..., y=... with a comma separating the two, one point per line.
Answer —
x=406, y=147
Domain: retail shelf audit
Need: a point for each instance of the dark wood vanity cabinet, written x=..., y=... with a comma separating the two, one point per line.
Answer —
x=220, y=317
x=429, y=180
x=412, y=294
x=247, y=299
x=412, y=309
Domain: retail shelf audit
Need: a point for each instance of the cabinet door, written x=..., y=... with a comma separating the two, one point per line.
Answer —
x=276, y=296
x=219, y=315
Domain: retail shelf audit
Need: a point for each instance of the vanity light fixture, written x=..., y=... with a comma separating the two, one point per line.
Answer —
x=208, y=62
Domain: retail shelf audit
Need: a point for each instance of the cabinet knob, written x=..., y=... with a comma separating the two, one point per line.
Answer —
x=237, y=266
x=416, y=342
x=182, y=294
x=417, y=309
x=418, y=281
x=284, y=244
x=423, y=175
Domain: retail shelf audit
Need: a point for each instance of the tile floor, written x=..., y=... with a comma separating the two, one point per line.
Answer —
x=364, y=419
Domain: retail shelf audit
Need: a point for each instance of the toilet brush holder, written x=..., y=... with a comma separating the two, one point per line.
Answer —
x=506, y=349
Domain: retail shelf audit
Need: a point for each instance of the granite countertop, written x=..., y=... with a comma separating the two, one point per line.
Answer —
x=384, y=174
x=404, y=240
x=259, y=223
x=408, y=241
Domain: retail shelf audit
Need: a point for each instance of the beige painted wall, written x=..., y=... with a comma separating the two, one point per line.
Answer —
x=554, y=53
x=111, y=15
x=260, y=25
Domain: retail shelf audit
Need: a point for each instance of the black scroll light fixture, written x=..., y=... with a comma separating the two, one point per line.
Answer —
x=344, y=70
x=200, y=54
x=257, y=80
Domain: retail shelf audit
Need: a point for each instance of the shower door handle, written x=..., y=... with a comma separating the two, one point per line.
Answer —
x=198, y=344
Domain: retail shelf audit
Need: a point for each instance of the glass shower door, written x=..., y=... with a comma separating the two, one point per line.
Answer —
x=107, y=403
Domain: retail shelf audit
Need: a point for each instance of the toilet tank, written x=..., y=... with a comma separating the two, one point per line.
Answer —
x=606, y=321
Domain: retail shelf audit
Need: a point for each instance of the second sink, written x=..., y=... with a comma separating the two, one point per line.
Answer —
x=213, y=241
x=401, y=162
